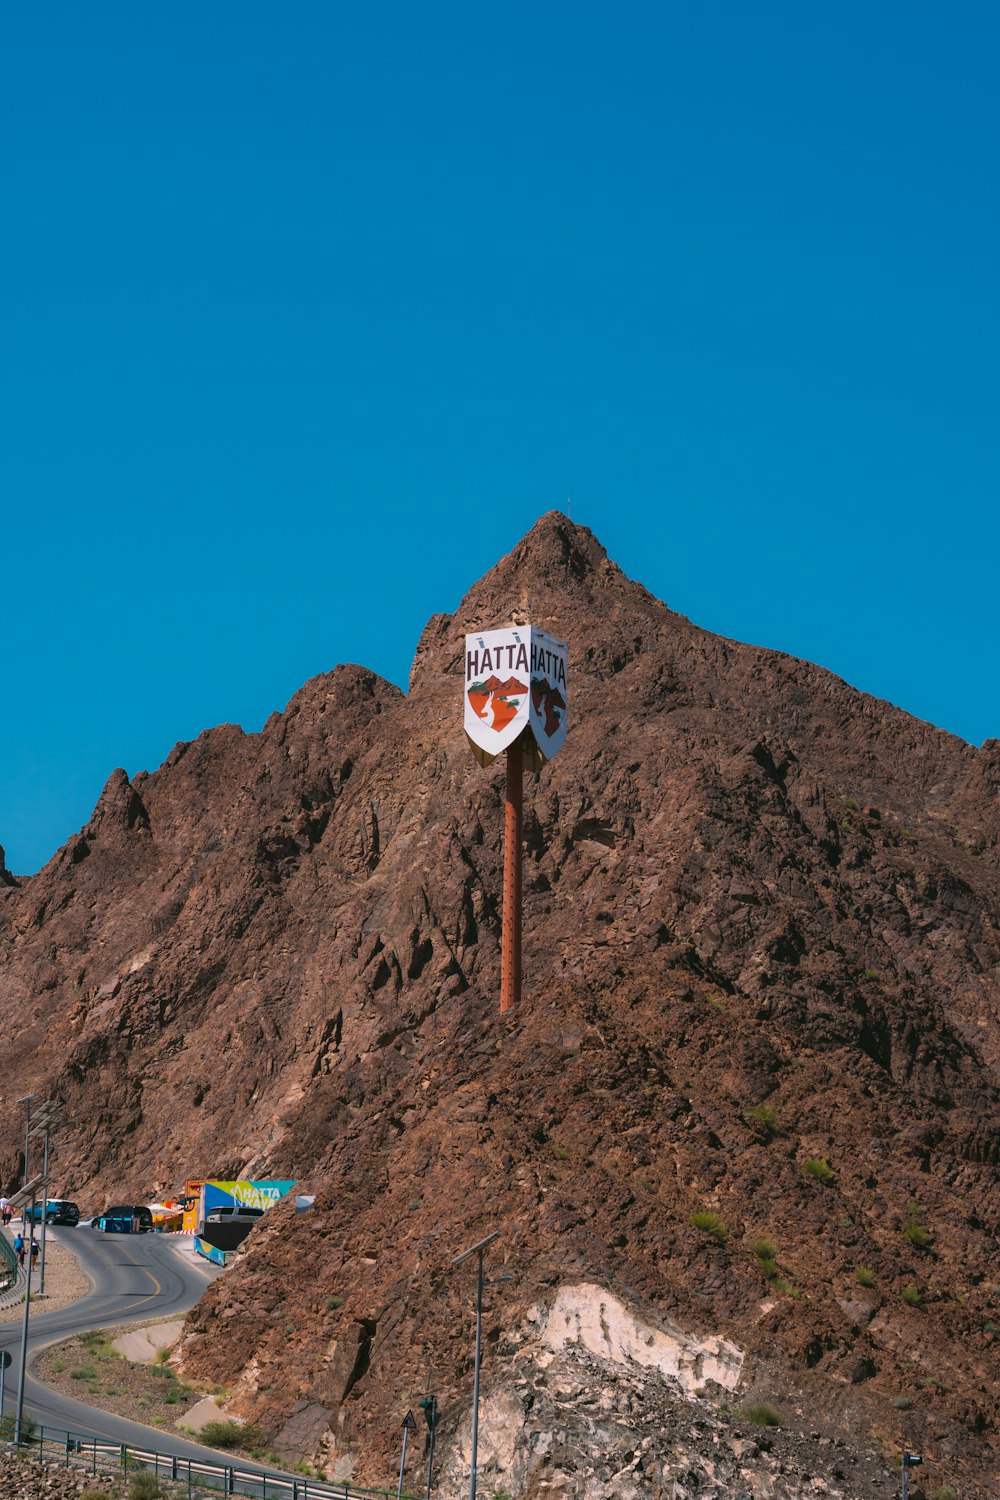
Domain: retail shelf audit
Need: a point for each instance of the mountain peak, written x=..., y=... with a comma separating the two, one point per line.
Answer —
x=556, y=541
x=558, y=577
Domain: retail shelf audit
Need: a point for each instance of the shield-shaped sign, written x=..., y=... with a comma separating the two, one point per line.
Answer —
x=497, y=677
x=547, y=714
x=515, y=678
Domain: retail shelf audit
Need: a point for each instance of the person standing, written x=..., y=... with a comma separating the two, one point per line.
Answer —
x=19, y=1249
x=5, y=1210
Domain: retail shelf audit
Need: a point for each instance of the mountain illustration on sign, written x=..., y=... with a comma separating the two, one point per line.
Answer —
x=550, y=699
x=496, y=702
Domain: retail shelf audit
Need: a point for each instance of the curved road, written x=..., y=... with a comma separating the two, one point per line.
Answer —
x=134, y=1277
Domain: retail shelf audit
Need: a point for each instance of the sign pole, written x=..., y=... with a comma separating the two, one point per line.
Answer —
x=513, y=830
x=409, y=1425
x=45, y=1217
x=515, y=701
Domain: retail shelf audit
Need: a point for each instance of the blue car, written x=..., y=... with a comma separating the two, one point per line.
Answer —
x=55, y=1211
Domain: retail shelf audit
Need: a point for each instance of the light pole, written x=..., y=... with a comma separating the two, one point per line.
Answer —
x=45, y=1118
x=479, y=1251
x=28, y=1193
x=26, y=1099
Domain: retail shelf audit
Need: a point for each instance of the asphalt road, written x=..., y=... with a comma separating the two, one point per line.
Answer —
x=134, y=1277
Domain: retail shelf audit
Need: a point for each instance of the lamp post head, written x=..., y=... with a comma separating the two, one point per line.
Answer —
x=476, y=1249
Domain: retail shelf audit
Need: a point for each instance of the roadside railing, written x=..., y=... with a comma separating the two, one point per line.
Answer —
x=9, y=1268
x=187, y=1477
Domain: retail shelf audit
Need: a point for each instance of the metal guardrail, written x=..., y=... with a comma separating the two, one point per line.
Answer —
x=187, y=1478
x=11, y=1274
x=8, y=1263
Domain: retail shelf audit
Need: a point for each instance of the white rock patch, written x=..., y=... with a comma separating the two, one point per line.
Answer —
x=591, y=1316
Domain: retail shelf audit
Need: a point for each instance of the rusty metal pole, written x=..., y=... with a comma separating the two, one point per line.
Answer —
x=510, y=938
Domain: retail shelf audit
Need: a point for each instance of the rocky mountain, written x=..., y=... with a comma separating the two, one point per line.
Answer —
x=751, y=1094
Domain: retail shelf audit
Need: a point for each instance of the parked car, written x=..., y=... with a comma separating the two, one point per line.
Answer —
x=236, y=1213
x=228, y=1224
x=124, y=1218
x=55, y=1211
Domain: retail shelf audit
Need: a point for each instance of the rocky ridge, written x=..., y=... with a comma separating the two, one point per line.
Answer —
x=762, y=949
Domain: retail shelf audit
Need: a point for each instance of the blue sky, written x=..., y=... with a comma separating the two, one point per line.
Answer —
x=309, y=312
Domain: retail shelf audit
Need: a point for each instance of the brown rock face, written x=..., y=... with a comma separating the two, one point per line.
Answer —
x=762, y=929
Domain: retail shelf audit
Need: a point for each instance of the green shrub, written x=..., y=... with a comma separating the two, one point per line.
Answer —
x=761, y=1414
x=902, y=1403
x=764, y=1250
x=229, y=1434
x=944, y=1493
x=852, y=804
x=820, y=1168
x=911, y=1296
x=767, y=1116
x=8, y=1424
x=162, y=1355
x=782, y=1284
x=768, y=1269
x=709, y=1223
x=84, y=1372
x=163, y=1372
x=332, y=1303
x=872, y=974
x=94, y=1495
x=917, y=1235
x=144, y=1487
x=864, y=1277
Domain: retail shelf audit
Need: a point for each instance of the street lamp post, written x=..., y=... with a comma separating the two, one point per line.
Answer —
x=45, y=1118
x=26, y=1099
x=478, y=1250
x=27, y=1194
x=45, y=1216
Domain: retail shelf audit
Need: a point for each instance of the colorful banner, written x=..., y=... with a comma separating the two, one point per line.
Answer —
x=264, y=1194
